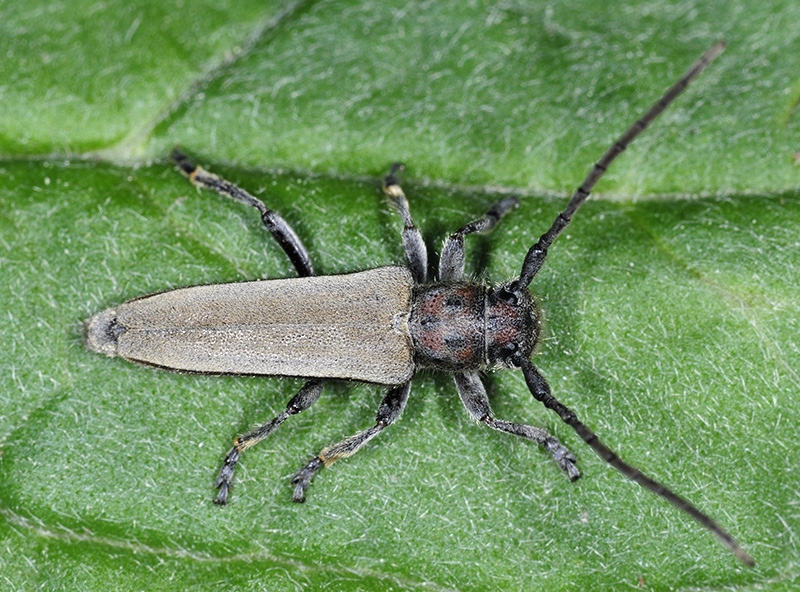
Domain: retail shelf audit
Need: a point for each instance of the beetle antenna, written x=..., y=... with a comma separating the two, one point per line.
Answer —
x=541, y=392
x=538, y=252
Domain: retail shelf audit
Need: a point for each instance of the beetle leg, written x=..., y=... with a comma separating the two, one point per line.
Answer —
x=473, y=395
x=304, y=399
x=416, y=252
x=280, y=229
x=451, y=263
x=391, y=408
x=298, y=255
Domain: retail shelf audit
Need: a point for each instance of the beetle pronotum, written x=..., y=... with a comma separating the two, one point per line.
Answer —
x=379, y=326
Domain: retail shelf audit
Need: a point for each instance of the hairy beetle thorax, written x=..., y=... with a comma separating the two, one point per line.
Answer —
x=459, y=326
x=448, y=326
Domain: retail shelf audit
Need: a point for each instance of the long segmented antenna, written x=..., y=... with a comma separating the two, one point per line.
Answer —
x=541, y=392
x=538, y=252
x=533, y=263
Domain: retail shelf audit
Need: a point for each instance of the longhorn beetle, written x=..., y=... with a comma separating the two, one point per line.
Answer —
x=379, y=326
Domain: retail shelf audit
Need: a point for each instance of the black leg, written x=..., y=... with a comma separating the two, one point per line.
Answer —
x=451, y=263
x=279, y=228
x=473, y=395
x=304, y=399
x=298, y=255
x=391, y=408
x=416, y=252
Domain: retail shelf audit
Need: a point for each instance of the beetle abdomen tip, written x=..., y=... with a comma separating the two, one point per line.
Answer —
x=100, y=332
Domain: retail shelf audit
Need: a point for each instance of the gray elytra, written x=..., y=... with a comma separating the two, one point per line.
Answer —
x=378, y=326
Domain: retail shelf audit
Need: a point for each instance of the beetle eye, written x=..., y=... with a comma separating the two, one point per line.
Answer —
x=507, y=295
x=509, y=353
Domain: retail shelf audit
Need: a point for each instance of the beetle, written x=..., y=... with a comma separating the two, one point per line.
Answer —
x=378, y=326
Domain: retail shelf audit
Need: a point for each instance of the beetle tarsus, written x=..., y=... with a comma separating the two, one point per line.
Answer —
x=303, y=478
x=183, y=162
x=225, y=477
x=391, y=178
x=563, y=457
x=222, y=496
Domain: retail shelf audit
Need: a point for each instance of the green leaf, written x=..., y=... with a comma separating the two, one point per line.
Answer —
x=672, y=321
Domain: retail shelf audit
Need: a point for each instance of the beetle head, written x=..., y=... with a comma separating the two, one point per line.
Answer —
x=513, y=324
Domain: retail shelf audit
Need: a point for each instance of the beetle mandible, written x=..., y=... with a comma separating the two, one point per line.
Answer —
x=379, y=326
